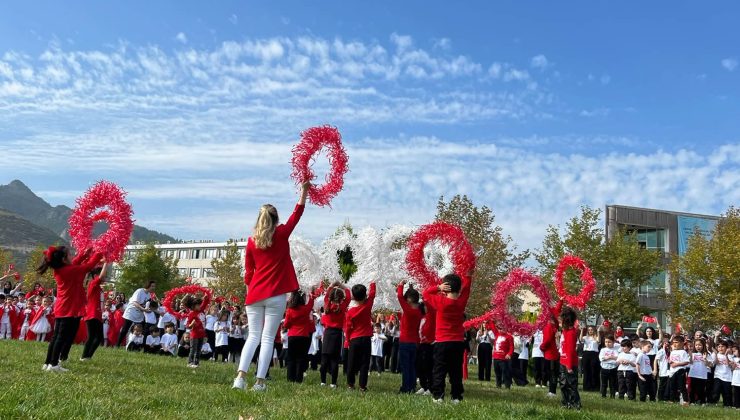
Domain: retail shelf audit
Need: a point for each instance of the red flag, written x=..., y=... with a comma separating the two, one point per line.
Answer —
x=725, y=330
x=649, y=319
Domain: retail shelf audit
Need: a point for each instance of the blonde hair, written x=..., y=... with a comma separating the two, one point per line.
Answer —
x=265, y=227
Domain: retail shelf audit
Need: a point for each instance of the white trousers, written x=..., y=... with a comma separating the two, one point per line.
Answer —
x=5, y=330
x=264, y=319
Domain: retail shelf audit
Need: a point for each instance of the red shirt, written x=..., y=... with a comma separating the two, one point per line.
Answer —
x=92, y=308
x=299, y=321
x=450, y=312
x=334, y=314
x=503, y=346
x=270, y=272
x=71, y=294
x=410, y=319
x=569, y=356
x=430, y=324
x=197, y=330
x=549, y=347
x=359, y=321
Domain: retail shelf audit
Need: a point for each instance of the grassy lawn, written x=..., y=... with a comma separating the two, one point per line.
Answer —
x=124, y=385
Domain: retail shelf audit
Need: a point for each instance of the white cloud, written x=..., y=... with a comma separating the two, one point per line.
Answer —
x=596, y=112
x=443, y=43
x=539, y=62
x=605, y=79
x=729, y=64
x=181, y=38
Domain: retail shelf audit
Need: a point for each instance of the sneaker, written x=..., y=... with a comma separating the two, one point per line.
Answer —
x=421, y=391
x=456, y=401
x=259, y=388
x=438, y=400
x=332, y=386
x=58, y=369
x=427, y=392
x=363, y=389
x=551, y=395
x=322, y=384
x=239, y=383
x=84, y=359
x=45, y=367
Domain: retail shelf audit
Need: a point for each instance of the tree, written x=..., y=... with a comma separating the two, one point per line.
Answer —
x=705, y=280
x=620, y=266
x=6, y=258
x=229, y=280
x=148, y=265
x=495, y=252
x=30, y=277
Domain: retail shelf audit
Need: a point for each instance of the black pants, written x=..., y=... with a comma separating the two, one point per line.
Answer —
x=523, y=371
x=448, y=360
x=502, y=368
x=358, y=361
x=330, y=365
x=279, y=351
x=127, y=323
x=195, y=345
x=331, y=354
x=552, y=371
x=211, y=338
x=698, y=393
x=626, y=380
x=724, y=389
x=647, y=387
x=539, y=371
x=297, y=357
x=677, y=386
x=608, y=377
x=394, y=355
x=376, y=364
x=591, y=367
x=222, y=351
x=424, y=365
x=94, y=337
x=484, y=361
x=387, y=352
x=65, y=330
x=663, y=389
x=518, y=376
x=736, y=396
x=569, y=388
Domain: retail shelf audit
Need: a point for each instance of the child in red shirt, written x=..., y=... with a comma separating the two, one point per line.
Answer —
x=449, y=299
x=569, y=360
x=336, y=302
x=300, y=325
x=409, y=339
x=359, y=331
x=503, y=349
x=197, y=331
x=549, y=349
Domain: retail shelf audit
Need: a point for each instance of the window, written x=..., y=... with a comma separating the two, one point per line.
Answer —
x=209, y=254
x=182, y=254
x=196, y=254
x=182, y=271
x=195, y=273
x=208, y=273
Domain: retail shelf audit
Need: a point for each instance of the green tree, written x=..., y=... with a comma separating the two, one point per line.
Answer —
x=6, y=258
x=495, y=252
x=30, y=277
x=620, y=266
x=148, y=265
x=229, y=280
x=705, y=280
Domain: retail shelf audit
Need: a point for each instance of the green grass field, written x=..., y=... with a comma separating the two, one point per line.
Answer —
x=119, y=385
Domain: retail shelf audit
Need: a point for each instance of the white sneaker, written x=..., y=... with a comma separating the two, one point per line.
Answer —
x=438, y=400
x=84, y=359
x=420, y=391
x=239, y=383
x=323, y=384
x=456, y=401
x=551, y=395
x=45, y=367
x=58, y=369
x=332, y=386
x=427, y=392
x=259, y=387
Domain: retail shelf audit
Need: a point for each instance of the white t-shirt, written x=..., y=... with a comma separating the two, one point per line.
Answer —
x=211, y=322
x=284, y=338
x=150, y=317
x=656, y=343
x=169, y=342
x=662, y=360
x=235, y=331
x=165, y=319
x=486, y=337
x=153, y=341
x=590, y=344
x=722, y=369
x=524, y=354
x=698, y=365
x=736, y=372
x=376, y=344
x=677, y=356
x=643, y=364
x=206, y=348
x=132, y=313
x=222, y=333
x=626, y=357
x=605, y=357
x=536, y=352
x=135, y=339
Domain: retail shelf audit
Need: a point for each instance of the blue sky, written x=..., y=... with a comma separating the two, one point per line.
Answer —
x=530, y=109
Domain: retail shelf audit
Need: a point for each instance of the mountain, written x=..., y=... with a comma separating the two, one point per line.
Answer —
x=48, y=224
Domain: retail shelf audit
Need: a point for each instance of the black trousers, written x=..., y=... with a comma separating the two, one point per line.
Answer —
x=279, y=351
x=523, y=370
x=663, y=389
x=518, y=376
x=569, y=388
x=330, y=365
x=376, y=363
x=552, y=371
x=195, y=345
x=127, y=323
x=724, y=389
x=591, y=368
x=297, y=357
x=626, y=380
x=387, y=352
x=65, y=330
x=94, y=337
x=211, y=338
x=484, y=361
x=448, y=360
x=647, y=387
x=424, y=365
x=539, y=371
x=698, y=393
x=608, y=377
x=394, y=355
x=677, y=386
x=222, y=351
x=358, y=361
x=503, y=372
x=736, y=396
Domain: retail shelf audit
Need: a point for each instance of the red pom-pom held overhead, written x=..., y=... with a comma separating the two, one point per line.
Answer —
x=116, y=212
x=312, y=141
x=580, y=300
x=517, y=279
x=169, y=298
x=461, y=252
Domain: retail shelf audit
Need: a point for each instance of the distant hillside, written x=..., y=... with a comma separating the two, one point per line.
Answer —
x=48, y=224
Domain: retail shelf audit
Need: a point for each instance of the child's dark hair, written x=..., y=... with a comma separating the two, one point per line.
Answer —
x=359, y=292
x=119, y=305
x=634, y=337
x=412, y=294
x=96, y=271
x=337, y=295
x=422, y=308
x=569, y=317
x=223, y=313
x=191, y=301
x=454, y=281
x=376, y=325
x=626, y=343
x=609, y=337
x=297, y=298
x=153, y=304
x=678, y=338
x=169, y=325
x=54, y=260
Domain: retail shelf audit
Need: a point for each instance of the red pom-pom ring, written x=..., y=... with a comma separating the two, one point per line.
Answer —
x=312, y=141
x=192, y=289
x=118, y=215
x=463, y=257
x=580, y=300
x=513, y=282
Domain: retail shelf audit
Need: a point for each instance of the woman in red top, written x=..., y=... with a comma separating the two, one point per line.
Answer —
x=94, y=313
x=336, y=302
x=69, y=306
x=300, y=325
x=409, y=339
x=269, y=277
x=569, y=360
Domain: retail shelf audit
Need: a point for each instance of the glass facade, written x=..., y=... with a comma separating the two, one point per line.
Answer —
x=652, y=238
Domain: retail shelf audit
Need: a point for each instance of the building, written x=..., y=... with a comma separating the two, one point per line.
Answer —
x=666, y=231
x=193, y=257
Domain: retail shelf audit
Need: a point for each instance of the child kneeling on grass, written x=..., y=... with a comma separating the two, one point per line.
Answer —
x=168, y=341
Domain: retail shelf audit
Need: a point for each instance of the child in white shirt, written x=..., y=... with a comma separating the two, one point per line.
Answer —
x=136, y=339
x=735, y=364
x=205, y=351
x=722, y=376
x=660, y=365
x=678, y=361
x=153, y=342
x=701, y=362
x=646, y=381
x=608, y=360
x=221, y=329
x=626, y=371
x=376, y=350
x=168, y=341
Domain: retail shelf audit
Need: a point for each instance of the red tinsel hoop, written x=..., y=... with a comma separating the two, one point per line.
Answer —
x=191, y=289
x=463, y=257
x=113, y=242
x=580, y=300
x=477, y=321
x=312, y=141
x=514, y=281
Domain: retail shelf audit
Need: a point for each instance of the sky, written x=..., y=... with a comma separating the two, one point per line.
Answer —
x=530, y=108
